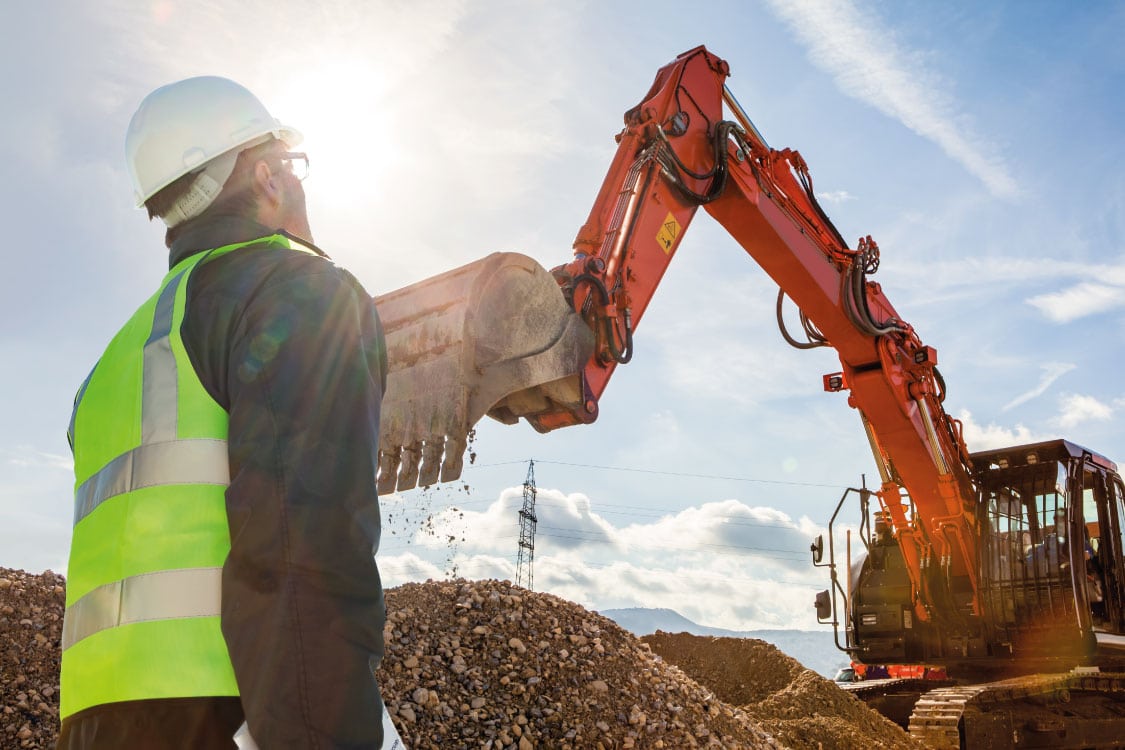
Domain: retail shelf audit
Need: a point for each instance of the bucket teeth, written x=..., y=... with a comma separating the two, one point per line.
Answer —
x=431, y=461
x=454, y=457
x=494, y=337
x=408, y=469
x=421, y=464
x=388, y=470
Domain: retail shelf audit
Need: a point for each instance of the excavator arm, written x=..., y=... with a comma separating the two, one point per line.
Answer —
x=676, y=154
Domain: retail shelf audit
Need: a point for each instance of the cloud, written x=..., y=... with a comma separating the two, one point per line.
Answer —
x=725, y=592
x=27, y=457
x=1076, y=409
x=835, y=196
x=867, y=64
x=408, y=566
x=1052, y=371
x=981, y=438
x=1079, y=301
x=952, y=280
x=725, y=528
x=697, y=561
x=431, y=521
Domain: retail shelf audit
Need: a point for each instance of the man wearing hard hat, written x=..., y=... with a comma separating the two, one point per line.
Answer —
x=222, y=577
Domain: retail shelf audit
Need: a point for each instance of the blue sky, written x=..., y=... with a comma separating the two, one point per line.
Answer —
x=979, y=143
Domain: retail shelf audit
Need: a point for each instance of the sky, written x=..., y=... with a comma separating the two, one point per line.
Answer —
x=979, y=143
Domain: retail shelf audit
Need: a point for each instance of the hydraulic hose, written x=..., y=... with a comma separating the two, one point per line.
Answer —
x=815, y=338
x=621, y=356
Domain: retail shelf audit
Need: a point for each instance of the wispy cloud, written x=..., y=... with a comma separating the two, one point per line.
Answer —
x=28, y=457
x=861, y=54
x=835, y=196
x=1080, y=300
x=1076, y=297
x=1052, y=371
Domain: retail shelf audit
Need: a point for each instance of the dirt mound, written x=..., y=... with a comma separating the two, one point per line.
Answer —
x=798, y=707
x=738, y=670
x=31, y=608
x=486, y=664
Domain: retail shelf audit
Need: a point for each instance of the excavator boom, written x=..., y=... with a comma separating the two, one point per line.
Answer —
x=503, y=337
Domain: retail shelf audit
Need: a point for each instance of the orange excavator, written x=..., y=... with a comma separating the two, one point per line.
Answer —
x=1005, y=567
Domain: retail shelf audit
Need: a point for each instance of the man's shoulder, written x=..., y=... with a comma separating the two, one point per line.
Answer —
x=254, y=269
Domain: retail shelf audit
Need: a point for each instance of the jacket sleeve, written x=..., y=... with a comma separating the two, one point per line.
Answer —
x=302, y=607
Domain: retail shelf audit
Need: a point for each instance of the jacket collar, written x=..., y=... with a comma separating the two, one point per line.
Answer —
x=212, y=232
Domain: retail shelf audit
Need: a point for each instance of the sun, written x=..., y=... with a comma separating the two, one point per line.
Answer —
x=339, y=106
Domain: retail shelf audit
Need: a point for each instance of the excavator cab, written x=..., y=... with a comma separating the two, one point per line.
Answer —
x=1040, y=664
x=1047, y=582
x=1051, y=568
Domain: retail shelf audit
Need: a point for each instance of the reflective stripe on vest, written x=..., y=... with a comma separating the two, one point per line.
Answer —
x=144, y=585
x=164, y=595
x=177, y=462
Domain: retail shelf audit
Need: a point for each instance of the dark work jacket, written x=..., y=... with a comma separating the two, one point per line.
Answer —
x=291, y=346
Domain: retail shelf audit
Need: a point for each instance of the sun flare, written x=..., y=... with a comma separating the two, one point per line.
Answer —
x=339, y=107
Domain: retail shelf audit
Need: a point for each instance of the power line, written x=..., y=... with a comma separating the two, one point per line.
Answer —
x=686, y=475
x=582, y=535
x=632, y=510
x=485, y=565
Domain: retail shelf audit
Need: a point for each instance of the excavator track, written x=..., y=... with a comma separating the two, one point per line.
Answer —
x=1079, y=710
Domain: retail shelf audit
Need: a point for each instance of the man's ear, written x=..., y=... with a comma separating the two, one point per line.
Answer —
x=266, y=183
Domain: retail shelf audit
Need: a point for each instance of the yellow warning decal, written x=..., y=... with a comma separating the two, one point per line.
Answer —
x=669, y=233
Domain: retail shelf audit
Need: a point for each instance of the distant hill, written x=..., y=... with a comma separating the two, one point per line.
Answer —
x=815, y=649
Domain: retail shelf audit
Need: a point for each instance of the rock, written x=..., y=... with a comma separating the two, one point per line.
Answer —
x=31, y=609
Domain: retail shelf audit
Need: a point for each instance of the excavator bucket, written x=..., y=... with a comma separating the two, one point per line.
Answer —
x=492, y=337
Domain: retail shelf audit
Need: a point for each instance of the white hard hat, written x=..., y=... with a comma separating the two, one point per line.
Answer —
x=183, y=126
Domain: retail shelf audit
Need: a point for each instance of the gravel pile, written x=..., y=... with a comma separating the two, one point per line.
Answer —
x=799, y=707
x=31, y=608
x=484, y=664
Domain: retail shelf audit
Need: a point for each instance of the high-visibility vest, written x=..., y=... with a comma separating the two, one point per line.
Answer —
x=144, y=582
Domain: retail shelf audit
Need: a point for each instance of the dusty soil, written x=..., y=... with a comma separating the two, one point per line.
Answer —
x=797, y=706
x=31, y=608
x=485, y=664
